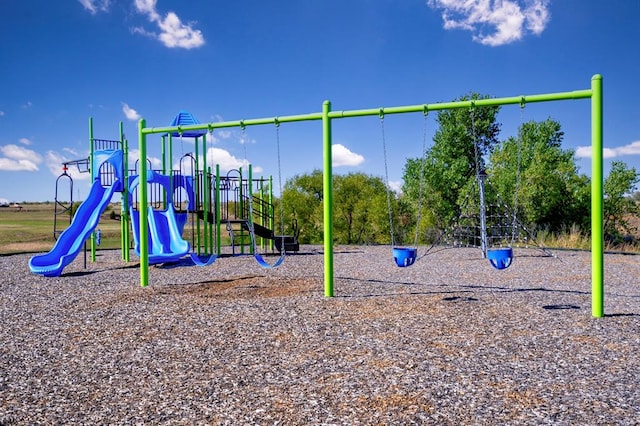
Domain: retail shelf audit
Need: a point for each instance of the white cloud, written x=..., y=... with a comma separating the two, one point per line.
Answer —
x=227, y=161
x=72, y=152
x=148, y=7
x=95, y=6
x=130, y=113
x=631, y=149
x=134, y=156
x=395, y=186
x=494, y=22
x=24, y=141
x=54, y=162
x=16, y=159
x=173, y=33
x=342, y=156
x=176, y=34
x=1, y=113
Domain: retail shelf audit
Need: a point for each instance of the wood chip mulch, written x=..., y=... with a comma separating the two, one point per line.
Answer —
x=448, y=340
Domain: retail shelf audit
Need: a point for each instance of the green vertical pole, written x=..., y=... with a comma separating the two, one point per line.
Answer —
x=206, y=187
x=250, y=215
x=199, y=197
x=272, y=213
x=124, y=218
x=170, y=152
x=164, y=154
x=164, y=172
x=241, y=209
x=124, y=223
x=142, y=208
x=597, y=200
x=328, y=200
x=218, y=212
x=211, y=224
x=92, y=239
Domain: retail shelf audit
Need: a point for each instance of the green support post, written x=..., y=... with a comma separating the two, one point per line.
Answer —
x=218, y=213
x=328, y=199
x=250, y=214
x=206, y=187
x=142, y=208
x=92, y=237
x=272, y=213
x=210, y=249
x=241, y=202
x=164, y=171
x=597, y=200
x=199, y=197
x=124, y=200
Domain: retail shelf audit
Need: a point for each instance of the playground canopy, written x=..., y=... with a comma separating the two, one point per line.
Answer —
x=185, y=118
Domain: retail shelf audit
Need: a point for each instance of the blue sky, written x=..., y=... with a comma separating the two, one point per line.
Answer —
x=120, y=60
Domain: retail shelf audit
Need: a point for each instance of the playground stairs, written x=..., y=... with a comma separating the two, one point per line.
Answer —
x=240, y=236
x=290, y=243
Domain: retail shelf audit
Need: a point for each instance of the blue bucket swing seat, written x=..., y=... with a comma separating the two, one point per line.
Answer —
x=404, y=256
x=500, y=258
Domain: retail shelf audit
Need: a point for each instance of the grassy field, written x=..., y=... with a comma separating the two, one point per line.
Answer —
x=30, y=228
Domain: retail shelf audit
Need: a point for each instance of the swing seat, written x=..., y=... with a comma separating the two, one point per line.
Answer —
x=266, y=265
x=202, y=260
x=500, y=258
x=404, y=256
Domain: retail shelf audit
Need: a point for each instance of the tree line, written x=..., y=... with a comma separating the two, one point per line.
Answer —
x=530, y=173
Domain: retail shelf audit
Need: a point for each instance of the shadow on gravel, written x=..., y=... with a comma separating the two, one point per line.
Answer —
x=621, y=315
x=559, y=307
x=459, y=299
x=515, y=290
x=374, y=281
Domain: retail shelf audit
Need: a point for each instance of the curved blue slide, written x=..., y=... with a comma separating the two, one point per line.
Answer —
x=165, y=239
x=71, y=240
x=165, y=226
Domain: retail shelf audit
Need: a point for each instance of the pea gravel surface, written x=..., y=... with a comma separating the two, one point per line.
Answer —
x=448, y=340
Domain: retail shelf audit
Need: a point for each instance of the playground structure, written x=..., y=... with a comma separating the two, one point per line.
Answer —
x=327, y=115
x=184, y=199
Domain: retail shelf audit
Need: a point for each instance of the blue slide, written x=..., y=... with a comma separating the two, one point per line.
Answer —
x=165, y=226
x=165, y=239
x=71, y=240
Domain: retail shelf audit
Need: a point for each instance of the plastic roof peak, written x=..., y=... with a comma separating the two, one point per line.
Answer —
x=185, y=118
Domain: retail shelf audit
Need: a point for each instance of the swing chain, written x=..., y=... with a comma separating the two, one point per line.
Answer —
x=386, y=176
x=277, y=123
x=514, y=223
x=423, y=160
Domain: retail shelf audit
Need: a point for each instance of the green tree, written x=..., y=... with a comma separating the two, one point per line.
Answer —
x=463, y=139
x=619, y=205
x=551, y=193
x=360, y=209
x=302, y=196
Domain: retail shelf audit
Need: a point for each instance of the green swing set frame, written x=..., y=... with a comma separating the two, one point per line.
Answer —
x=327, y=116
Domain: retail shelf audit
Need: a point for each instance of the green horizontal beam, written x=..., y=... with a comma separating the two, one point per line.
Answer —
x=578, y=94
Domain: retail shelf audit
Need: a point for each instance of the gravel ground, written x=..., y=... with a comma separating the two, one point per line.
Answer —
x=448, y=340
